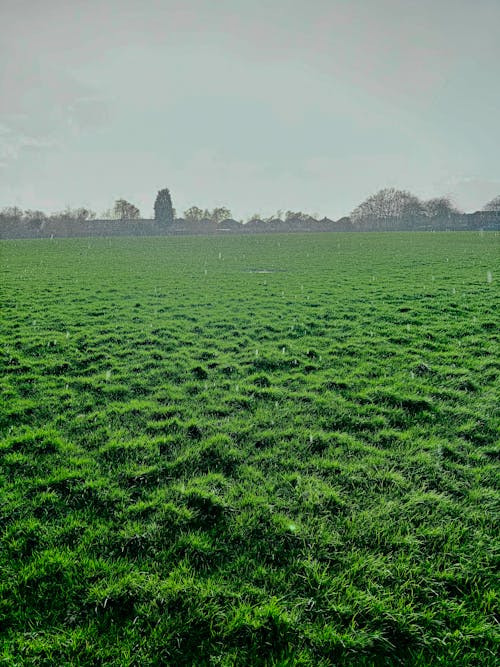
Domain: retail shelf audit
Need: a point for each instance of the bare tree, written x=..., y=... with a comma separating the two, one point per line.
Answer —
x=12, y=213
x=73, y=215
x=34, y=217
x=493, y=205
x=388, y=204
x=440, y=207
x=82, y=214
x=124, y=210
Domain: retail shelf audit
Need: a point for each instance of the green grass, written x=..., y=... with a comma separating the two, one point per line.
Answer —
x=277, y=450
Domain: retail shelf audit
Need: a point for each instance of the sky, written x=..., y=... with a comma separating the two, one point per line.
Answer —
x=258, y=105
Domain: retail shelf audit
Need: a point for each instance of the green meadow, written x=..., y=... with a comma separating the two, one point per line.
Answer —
x=258, y=450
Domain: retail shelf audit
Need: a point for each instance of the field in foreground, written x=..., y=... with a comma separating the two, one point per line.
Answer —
x=250, y=451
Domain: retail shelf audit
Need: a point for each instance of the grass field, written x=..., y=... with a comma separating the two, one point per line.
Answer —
x=274, y=450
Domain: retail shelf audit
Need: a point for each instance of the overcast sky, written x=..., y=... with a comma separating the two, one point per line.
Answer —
x=255, y=104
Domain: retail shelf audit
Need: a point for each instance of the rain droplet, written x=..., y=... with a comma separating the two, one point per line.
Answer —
x=489, y=277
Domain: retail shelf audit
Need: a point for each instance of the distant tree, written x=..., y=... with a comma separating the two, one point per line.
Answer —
x=440, y=207
x=61, y=216
x=297, y=217
x=193, y=214
x=279, y=215
x=386, y=204
x=164, y=212
x=255, y=217
x=124, y=210
x=12, y=213
x=87, y=214
x=493, y=205
x=72, y=215
x=34, y=216
x=220, y=214
x=82, y=214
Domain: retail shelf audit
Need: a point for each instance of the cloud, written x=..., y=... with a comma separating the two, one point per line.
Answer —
x=43, y=103
x=13, y=143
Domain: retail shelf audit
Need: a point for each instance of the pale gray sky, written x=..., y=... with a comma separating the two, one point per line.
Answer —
x=258, y=105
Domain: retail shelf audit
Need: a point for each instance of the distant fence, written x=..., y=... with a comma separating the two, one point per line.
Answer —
x=15, y=229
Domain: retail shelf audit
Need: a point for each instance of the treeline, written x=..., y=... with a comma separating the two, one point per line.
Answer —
x=122, y=210
x=387, y=210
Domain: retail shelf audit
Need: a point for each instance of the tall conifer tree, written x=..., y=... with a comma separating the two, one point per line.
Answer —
x=164, y=212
